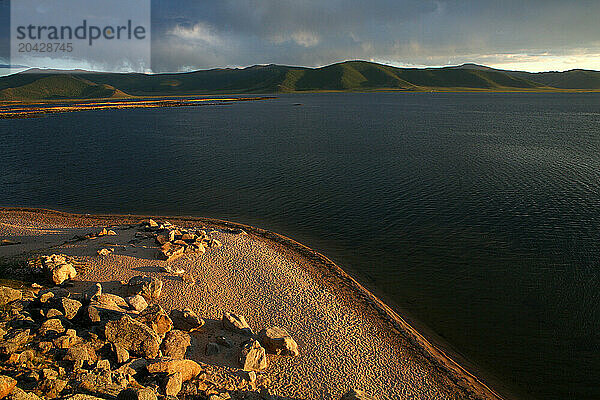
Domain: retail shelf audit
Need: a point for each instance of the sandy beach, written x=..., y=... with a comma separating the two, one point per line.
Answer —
x=347, y=337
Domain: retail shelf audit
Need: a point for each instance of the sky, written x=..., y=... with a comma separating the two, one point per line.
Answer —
x=528, y=35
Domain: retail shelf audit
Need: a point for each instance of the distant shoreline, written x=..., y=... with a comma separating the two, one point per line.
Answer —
x=441, y=360
x=38, y=108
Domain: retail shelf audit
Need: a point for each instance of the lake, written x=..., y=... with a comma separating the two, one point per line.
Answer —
x=478, y=213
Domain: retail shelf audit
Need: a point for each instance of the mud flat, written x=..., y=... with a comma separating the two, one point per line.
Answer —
x=346, y=337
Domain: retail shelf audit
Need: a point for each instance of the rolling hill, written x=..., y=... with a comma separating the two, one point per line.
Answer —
x=61, y=86
x=345, y=76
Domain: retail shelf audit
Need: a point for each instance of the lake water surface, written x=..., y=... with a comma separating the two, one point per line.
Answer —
x=477, y=213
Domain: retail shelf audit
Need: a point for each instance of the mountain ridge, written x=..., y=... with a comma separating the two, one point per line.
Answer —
x=348, y=76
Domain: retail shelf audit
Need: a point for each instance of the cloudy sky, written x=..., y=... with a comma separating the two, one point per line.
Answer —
x=528, y=35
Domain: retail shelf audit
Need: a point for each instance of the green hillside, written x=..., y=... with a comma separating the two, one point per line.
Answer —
x=345, y=76
x=59, y=86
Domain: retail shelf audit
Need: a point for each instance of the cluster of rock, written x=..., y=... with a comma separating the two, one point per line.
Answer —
x=55, y=344
x=58, y=268
x=175, y=241
x=96, y=235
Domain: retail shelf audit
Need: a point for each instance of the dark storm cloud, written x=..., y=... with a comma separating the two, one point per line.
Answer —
x=543, y=34
x=233, y=32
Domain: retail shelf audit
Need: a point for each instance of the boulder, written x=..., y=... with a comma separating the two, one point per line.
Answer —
x=104, y=252
x=7, y=384
x=53, y=313
x=132, y=367
x=170, y=251
x=58, y=268
x=133, y=336
x=161, y=239
x=253, y=356
x=121, y=354
x=81, y=352
x=173, y=384
x=66, y=341
x=137, y=394
x=51, y=325
x=19, y=394
x=355, y=394
x=189, y=369
x=157, y=319
x=277, y=341
x=92, y=291
x=186, y=320
x=137, y=302
x=51, y=388
x=175, y=344
x=8, y=294
x=106, y=306
x=149, y=287
x=70, y=307
x=81, y=396
x=236, y=323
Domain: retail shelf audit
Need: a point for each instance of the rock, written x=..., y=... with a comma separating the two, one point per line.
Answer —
x=212, y=348
x=92, y=292
x=7, y=384
x=104, y=252
x=161, y=239
x=170, y=251
x=81, y=352
x=19, y=394
x=66, y=341
x=70, y=307
x=277, y=341
x=173, y=384
x=133, y=336
x=149, y=287
x=103, y=365
x=152, y=224
x=186, y=320
x=137, y=394
x=103, y=232
x=110, y=232
x=253, y=357
x=121, y=354
x=236, y=323
x=81, y=396
x=58, y=269
x=45, y=346
x=175, y=344
x=45, y=297
x=137, y=302
x=225, y=342
x=157, y=319
x=53, y=313
x=106, y=306
x=49, y=373
x=189, y=369
x=132, y=367
x=109, y=300
x=354, y=394
x=51, y=388
x=9, y=294
x=51, y=325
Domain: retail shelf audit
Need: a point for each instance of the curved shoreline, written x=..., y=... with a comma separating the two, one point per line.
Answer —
x=442, y=360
